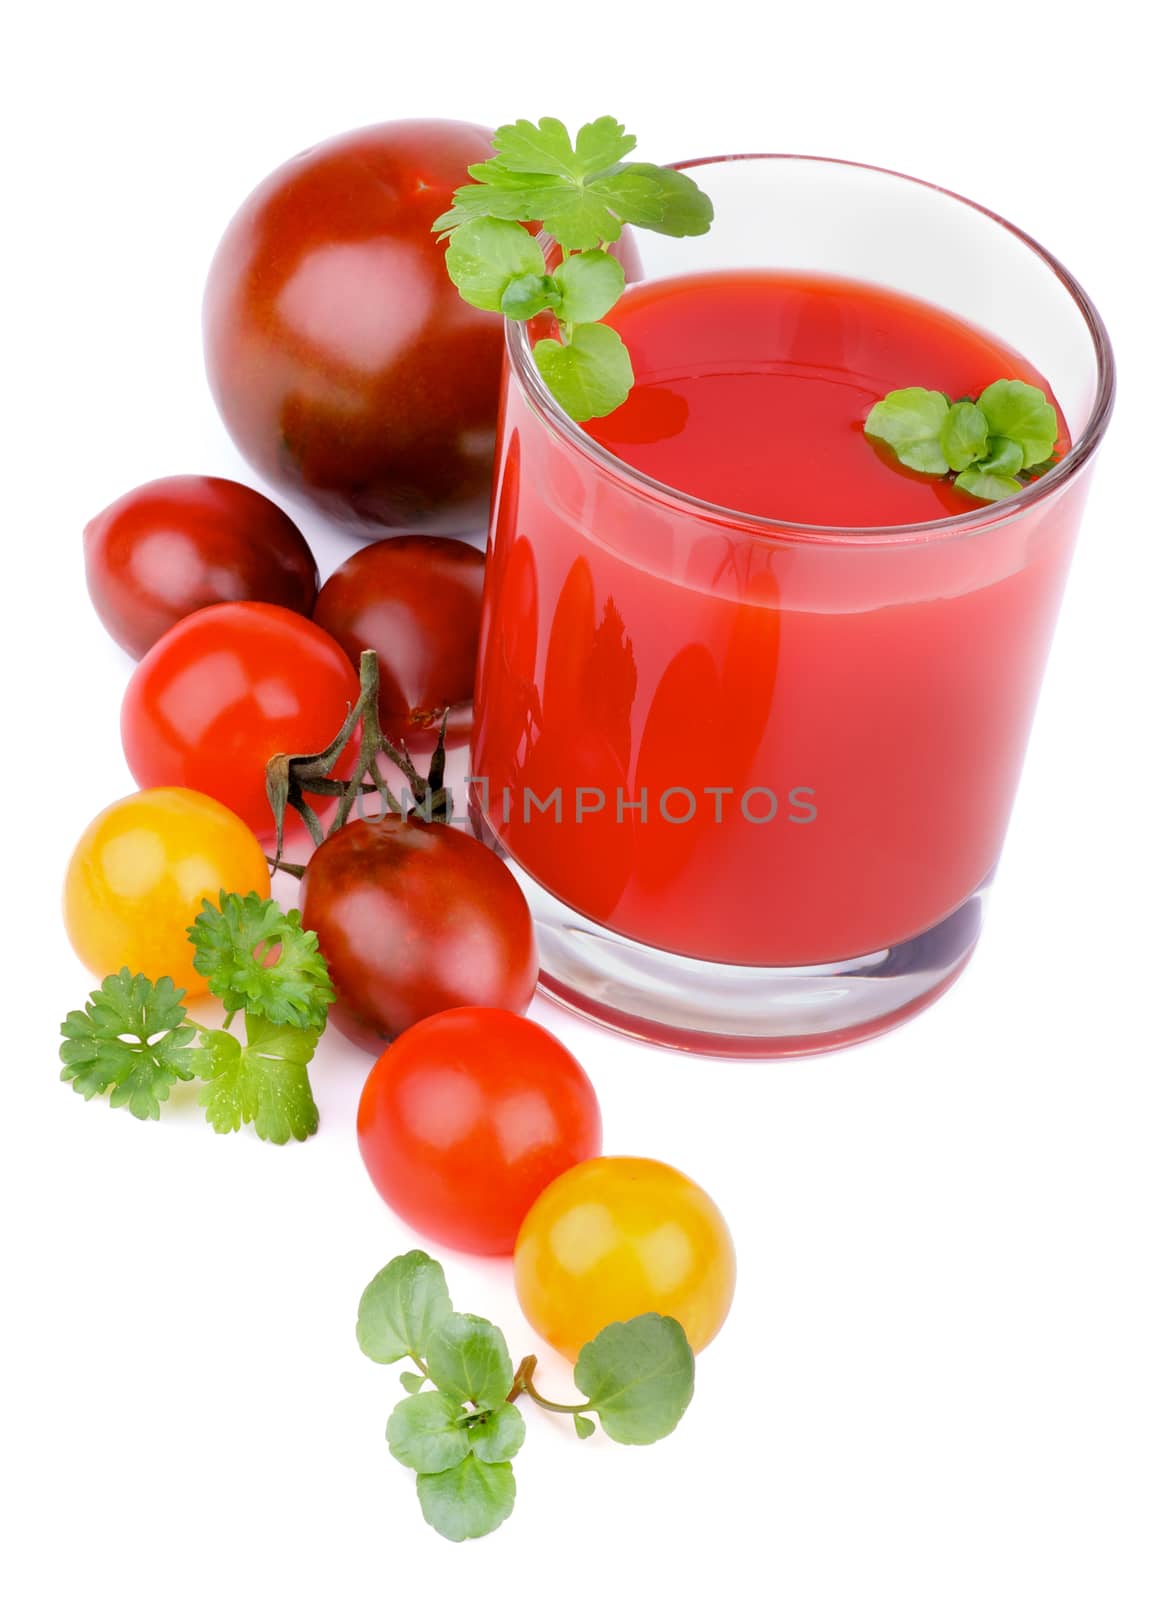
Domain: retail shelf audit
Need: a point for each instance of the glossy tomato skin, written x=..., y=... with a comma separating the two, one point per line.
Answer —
x=223, y=691
x=414, y=918
x=344, y=362
x=467, y=1117
x=139, y=874
x=417, y=601
x=172, y=546
x=618, y=1236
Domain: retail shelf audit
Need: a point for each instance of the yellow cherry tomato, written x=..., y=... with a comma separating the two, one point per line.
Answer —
x=139, y=875
x=617, y=1236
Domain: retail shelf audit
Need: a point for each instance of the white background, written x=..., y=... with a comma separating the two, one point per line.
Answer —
x=944, y=1372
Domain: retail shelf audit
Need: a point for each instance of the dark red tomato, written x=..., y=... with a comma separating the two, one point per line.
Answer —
x=416, y=601
x=413, y=918
x=465, y=1120
x=225, y=690
x=344, y=362
x=175, y=545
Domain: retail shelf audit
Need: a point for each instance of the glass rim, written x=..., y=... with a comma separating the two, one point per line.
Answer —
x=976, y=520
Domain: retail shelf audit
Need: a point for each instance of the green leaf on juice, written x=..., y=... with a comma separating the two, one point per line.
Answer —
x=987, y=485
x=1020, y=412
x=963, y=435
x=590, y=376
x=910, y=420
x=638, y=1376
x=402, y=1307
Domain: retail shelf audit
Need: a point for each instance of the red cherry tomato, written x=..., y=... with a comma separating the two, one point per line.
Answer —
x=175, y=545
x=225, y=690
x=344, y=362
x=413, y=918
x=465, y=1120
x=416, y=601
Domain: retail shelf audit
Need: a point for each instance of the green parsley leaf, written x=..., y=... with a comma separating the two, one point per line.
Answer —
x=412, y=1381
x=469, y=1500
x=584, y=1426
x=401, y=1308
x=657, y=198
x=263, y=1081
x=233, y=947
x=589, y=284
x=1020, y=412
x=467, y=1359
x=499, y=1434
x=525, y=297
x=963, y=435
x=133, y=1039
x=546, y=147
x=638, y=1376
x=578, y=218
x=423, y=1432
x=909, y=420
x=485, y=256
x=590, y=376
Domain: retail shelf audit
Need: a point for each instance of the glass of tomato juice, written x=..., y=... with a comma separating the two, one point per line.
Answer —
x=752, y=697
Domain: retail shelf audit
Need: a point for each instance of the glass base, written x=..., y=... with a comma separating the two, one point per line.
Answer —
x=724, y=1010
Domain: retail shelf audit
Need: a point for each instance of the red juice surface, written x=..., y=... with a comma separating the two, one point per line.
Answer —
x=767, y=749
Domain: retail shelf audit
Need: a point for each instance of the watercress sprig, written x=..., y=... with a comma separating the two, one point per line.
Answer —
x=461, y=1433
x=993, y=446
x=583, y=193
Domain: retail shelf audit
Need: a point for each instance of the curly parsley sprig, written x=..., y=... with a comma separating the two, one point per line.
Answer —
x=993, y=446
x=134, y=1038
x=583, y=194
x=460, y=1434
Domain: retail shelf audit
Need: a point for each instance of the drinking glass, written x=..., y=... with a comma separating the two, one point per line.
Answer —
x=847, y=707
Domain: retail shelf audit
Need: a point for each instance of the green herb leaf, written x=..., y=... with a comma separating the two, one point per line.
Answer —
x=589, y=284
x=468, y=1359
x=909, y=420
x=657, y=198
x=499, y=1434
x=262, y=1081
x=590, y=376
x=573, y=214
x=525, y=297
x=131, y=1038
x=469, y=1500
x=963, y=435
x=423, y=1432
x=402, y=1308
x=987, y=485
x=485, y=256
x=1020, y=412
x=545, y=147
x=584, y=1426
x=1004, y=457
x=638, y=1376
x=233, y=949
x=412, y=1381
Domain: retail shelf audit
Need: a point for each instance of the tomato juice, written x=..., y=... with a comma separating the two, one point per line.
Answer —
x=775, y=743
